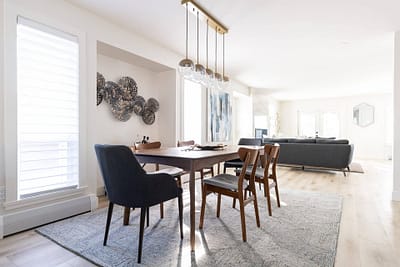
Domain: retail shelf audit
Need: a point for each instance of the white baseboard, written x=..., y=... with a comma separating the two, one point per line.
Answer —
x=396, y=195
x=17, y=221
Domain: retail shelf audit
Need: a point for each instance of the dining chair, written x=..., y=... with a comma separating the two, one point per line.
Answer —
x=234, y=186
x=237, y=163
x=266, y=174
x=204, y=171
x=173, y=171
x=128, y=185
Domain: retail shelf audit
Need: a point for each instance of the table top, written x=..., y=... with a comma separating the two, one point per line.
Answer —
x=185, y=153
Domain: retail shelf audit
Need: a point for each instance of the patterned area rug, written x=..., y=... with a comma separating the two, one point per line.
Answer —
x=303, y=232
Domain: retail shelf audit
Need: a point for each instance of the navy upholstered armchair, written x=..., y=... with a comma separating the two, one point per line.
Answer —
x=128, y=185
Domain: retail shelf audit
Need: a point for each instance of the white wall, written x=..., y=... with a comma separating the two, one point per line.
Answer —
x=1, y=97
x=396, y=108
x=369, y=142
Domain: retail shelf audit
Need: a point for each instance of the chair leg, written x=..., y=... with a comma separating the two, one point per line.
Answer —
x=212, y=170
x=109, y=215
x=278, y=202
x=148, y=216
x=201, y=174
x=162, y=210
x=127, y=212
x=203, y=205
x=242, y=219
x=218, y=205
x=180, y=208
x=224, y=168
x=256, y=207
x=234, y=203
x=266, y=191
x=142, y=218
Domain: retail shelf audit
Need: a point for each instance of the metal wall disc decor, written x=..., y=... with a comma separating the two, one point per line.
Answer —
x=112, y=92
x=148, y=116
x=124, y=99
x=122, y=109
x=152, y=104
x=129, y=88
x=138, y=105
x=101, y=82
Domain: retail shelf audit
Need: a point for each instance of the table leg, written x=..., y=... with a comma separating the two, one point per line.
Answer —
x=192, y=193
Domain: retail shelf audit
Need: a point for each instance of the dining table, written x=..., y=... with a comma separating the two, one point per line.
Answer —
x=189, y=159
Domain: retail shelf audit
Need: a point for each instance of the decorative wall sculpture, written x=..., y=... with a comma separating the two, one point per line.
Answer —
x=124, y=99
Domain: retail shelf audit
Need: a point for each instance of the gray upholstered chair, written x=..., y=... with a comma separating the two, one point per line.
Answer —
x=128, y=185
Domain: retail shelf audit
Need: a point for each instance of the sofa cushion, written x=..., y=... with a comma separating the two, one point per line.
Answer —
x=332, y=141
x=301, y=140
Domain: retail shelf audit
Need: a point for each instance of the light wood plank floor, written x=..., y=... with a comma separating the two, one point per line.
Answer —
x=369, y=229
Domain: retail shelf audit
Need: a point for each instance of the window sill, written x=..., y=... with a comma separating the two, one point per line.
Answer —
x=45, y=198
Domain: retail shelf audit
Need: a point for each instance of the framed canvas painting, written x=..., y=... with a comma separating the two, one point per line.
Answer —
x=219, y=116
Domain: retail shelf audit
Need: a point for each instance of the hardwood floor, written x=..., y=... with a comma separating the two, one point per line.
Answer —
x=369, y=229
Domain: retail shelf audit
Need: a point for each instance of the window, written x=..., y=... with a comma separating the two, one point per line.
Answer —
x=192, y=99
x=307, y=123
x=325, y=124
x=48, y=109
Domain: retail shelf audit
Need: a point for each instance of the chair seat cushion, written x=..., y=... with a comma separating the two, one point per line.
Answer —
x=171, y=171
x=259, y=171
x=226, y=181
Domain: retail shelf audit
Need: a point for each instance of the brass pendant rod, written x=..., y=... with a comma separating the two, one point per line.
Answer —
x=213, y=22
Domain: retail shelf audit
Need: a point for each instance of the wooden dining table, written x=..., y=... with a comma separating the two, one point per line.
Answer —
x=189, y=160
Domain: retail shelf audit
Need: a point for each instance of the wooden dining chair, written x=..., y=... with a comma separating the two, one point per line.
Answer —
x=234, y=186
x=266, y=175
x=204, y=171
x=128, y=185
x=173, y=171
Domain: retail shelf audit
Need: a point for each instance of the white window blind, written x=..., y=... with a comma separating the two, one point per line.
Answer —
x=48, y=109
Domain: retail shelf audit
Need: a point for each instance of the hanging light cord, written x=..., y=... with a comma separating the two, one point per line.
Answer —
x=207, y=46
x=197, y=37
x=216, y=43
x=187, y=30
x=223, y=55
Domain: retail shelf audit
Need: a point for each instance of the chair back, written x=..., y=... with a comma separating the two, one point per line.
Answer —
x=150, y=145
x=249, y=156
x=271, y=155
x=122, y=174
x=185, y=143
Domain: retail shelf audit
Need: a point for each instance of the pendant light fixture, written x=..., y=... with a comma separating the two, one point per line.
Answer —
x=186, y=65
x=199, y=70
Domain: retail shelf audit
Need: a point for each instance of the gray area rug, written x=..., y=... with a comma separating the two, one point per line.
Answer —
x=303, y=232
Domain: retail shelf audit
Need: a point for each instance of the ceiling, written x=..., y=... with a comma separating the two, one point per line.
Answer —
x=292, y=49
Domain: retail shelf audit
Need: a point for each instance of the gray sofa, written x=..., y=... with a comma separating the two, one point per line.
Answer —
x=314, y=152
